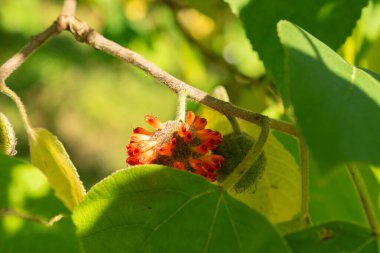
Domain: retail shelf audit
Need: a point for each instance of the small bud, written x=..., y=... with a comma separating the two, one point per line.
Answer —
x=8, y=139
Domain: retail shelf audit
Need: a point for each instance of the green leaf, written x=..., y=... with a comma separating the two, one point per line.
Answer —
x=337, y=105
x=333, y=237
x=25, y=191
x=49, y=155
x=159, y=209
x=330, y=20
x=278, y=192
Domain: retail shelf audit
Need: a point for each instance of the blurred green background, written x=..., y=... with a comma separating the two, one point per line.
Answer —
x=92, y=101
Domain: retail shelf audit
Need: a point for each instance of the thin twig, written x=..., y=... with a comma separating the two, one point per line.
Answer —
x=13, y=63
x=19, y=58
x=84, y=33
x=235, y=124
x=181, y=106
x=304, y=166
x=20, y=106
x=251, y=157
x=28, y=217
x=365, y=199
x=69, y=7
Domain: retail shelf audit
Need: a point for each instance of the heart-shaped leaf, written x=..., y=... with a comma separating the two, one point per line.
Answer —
x=337, y=105
x=29, y=212
x=159, y=209
x=49, y=155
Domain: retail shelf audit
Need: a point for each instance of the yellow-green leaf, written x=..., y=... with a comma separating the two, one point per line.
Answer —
x=278, y=193
x=49, y=155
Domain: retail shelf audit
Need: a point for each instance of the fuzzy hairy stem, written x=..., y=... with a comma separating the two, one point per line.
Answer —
x=181, y=106
x=235, y=124
x=20, y=106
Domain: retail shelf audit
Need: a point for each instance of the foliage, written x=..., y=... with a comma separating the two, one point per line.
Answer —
x=160, y=200
x=310, y=68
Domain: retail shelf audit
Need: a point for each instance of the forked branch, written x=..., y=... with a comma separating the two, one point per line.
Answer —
x=86, y=34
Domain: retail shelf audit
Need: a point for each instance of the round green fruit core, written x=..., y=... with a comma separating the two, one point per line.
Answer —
x=234, y=148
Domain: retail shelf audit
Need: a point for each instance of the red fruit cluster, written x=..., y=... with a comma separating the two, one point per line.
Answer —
x=182, y=145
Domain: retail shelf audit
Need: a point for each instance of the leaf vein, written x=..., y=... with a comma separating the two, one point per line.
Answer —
x=217, y=207
x=173, y=214
x=233, y=225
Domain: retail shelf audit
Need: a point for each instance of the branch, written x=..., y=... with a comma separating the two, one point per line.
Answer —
x=13, y=63
x=19, y=58
x=86, y=34
x=11, y=212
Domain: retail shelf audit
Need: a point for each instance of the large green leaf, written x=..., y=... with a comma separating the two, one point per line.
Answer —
x=337, y=105
x=159, y=209
x=49, y=155
x=278, y=193
x=24, y=191
x=330, y=20
x=333, y=237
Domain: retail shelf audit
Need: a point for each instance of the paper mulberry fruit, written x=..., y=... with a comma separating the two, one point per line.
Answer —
x=183, y=145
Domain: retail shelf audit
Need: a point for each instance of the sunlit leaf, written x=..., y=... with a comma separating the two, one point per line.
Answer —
x=27, y=204
x=337, y=105
x=159, y=209
x=278, y=192
x=333, y=237
x=49, y=155
x=330, y=20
